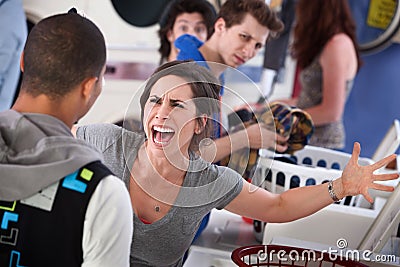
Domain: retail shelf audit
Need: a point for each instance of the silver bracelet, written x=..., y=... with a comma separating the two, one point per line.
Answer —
x=332, y=192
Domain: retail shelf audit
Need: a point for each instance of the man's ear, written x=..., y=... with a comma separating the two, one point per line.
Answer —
x=219, y=25
x=88, y=86
x=21, y=61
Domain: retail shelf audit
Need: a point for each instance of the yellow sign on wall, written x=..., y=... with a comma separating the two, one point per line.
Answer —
x=381, y=13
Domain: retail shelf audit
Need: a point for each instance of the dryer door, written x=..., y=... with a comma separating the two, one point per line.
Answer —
x=378, y=23
x=140, y=13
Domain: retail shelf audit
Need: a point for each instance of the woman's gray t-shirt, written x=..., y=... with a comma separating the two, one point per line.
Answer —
x=206, y=186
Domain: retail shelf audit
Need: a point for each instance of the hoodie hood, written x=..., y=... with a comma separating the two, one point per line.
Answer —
x=37, y=150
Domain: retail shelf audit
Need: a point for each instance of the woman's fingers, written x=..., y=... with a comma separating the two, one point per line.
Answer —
x=382, y=187
x=281, y=148
x=368, y=197
x=376, y=186
x=356, y=153
x=383, y=162
x=360, y=178
x=386, y=176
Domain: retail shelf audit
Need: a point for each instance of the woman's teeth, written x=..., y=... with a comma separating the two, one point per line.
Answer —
x=163, y=129
x=162, y=135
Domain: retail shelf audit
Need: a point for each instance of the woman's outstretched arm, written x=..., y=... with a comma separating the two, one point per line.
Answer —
x=257, y=203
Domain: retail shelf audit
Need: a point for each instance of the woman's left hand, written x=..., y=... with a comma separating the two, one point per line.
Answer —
x=358, y=179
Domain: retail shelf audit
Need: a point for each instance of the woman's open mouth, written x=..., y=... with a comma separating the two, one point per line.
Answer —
x=162, y=135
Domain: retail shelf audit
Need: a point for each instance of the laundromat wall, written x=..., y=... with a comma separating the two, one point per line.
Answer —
x=374, y=102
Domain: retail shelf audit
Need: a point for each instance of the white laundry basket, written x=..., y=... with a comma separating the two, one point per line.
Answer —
x=326, y=158
x=315, y=165
x=310, y=166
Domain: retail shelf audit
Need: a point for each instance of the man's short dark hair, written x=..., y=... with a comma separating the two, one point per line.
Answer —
x=61, y=51
x=234, y=11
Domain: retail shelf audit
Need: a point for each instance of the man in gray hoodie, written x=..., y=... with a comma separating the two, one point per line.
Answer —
x=59, y=205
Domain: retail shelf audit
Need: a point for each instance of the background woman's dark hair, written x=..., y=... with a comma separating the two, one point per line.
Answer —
x=174, y=9
x=317, y=22
x=205, y=88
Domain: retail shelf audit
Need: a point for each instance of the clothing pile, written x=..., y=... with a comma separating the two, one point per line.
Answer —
x=291, y=122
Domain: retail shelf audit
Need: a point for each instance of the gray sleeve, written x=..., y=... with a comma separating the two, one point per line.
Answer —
x=106, y=138
x=113, y=142
x=232, y=180
x=102, y=136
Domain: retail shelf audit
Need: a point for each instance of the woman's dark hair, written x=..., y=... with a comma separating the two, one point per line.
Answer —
x=176, y=8
x=205, y=88
x=317, y=22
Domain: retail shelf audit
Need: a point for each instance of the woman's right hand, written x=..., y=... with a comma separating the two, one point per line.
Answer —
x=358, y=179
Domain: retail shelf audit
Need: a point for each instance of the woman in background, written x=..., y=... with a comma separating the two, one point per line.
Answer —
x=194, y=17
x=326, y=51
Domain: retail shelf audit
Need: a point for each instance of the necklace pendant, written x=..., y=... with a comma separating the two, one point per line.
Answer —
x=157, y=208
